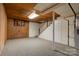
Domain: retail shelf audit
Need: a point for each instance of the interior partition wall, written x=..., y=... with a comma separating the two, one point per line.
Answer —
x=61, y=31
x=65, y=33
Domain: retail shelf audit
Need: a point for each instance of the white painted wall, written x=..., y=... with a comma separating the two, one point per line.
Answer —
x=48, y=33
x=61, y=31
x=71, y=31
x=33, y=29
x=73, y=36
x=43, y=26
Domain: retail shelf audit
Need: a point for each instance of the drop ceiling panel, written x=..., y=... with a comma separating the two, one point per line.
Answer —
x=43, y=6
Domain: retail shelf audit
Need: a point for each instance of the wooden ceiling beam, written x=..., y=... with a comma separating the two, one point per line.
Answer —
x=48, y=13
x=20, y=12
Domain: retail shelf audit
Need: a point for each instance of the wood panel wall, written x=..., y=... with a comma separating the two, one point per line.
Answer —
x=17, y=31
x=3, y=27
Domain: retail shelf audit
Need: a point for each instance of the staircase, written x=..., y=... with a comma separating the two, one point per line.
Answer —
x=44, y=26
x=61, y=45
x=46, y=31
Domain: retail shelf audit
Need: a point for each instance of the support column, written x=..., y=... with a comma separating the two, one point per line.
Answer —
x=53, y=18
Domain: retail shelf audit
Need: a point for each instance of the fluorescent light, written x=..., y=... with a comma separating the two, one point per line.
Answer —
x=33, y=15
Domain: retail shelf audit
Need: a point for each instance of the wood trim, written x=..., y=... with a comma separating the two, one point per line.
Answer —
x=24, y=20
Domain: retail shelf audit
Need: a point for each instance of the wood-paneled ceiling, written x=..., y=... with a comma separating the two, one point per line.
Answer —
x=21, y=11
x=46, y=17
x=18, y=10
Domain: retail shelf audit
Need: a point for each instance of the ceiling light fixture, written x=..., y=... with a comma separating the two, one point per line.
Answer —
x=33, y=15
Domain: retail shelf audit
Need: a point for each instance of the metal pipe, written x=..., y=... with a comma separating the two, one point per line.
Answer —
x=74, y=18
x=68, y=24
x=68, y=32
x=72, y=10
x=53, y=18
